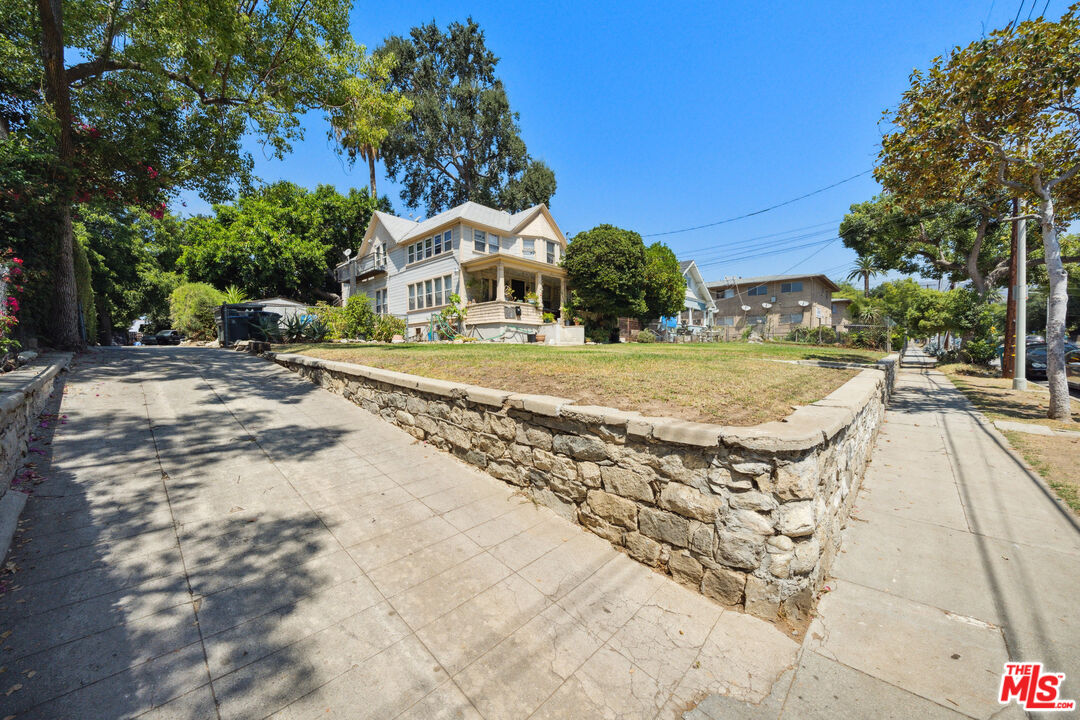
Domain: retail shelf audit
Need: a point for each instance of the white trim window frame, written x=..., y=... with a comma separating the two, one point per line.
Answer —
x=528, y=247
x=479, y=241
x=550, y=252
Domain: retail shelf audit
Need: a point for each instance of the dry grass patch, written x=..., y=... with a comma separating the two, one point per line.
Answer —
x=995, y=397
x=1054, y=457
x=726, y=383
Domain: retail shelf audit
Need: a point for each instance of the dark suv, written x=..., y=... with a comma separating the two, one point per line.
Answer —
x=168, y=337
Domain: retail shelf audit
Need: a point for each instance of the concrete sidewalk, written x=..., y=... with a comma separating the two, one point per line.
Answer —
x=218, y=538
x=956, y=559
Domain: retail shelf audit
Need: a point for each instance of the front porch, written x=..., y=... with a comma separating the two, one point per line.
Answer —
x=517, y=281
x=508, y=297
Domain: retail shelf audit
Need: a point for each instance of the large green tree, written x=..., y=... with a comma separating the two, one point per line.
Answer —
x=461, y=141
x=195, y=76
x=369, y=111
x=614, y=275
x=1002, y=114
x=951, y=240
x=664, y=284
x=278, y=240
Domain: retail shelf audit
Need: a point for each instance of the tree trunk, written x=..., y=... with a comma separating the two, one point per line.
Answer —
x=866, y=284
x=1056, y=305
x=65, y=329
x=371, y=171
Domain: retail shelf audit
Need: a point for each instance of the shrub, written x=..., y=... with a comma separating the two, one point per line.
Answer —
x=332, y=317
x=598, y=334
x=646, y=336
x=358, y=317
x=549, y=317
x=191, y=309
x=387, y=326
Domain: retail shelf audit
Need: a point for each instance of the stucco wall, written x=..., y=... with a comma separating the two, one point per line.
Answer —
x=749, y=516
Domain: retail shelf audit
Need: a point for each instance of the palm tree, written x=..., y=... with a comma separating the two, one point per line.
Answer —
x=864, y=268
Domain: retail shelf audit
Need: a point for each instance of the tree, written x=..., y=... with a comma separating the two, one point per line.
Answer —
x=1001, y=114
x=461, y=141
x=606, y=267
x=865, y=268
x=278, y=240
x=206, y=72
x=665, y=286
x=191, y=309
x=369, y=112
x=947, y=240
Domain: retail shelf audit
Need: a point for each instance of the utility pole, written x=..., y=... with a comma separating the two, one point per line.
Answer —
x=1008, y=359
x=1020, y=375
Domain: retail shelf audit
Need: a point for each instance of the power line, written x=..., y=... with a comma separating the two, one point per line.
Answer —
x=1019, y=10
x=763, y=210
x=1032, y=8
x=711, y=246
x=809, y=256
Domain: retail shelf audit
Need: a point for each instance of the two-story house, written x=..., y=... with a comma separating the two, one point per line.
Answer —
x=773, y=304
x=492, y=259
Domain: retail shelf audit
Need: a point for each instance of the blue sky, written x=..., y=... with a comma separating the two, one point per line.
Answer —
x=661, y=118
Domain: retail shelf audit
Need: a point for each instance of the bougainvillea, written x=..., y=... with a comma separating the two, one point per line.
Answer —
x=11, y=273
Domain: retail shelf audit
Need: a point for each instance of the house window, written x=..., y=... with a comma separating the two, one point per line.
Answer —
x=493, y=243
x=791, y=287
x=727, y=320
x=759, y=290
x=550, y=253
x=755, y=319
x=448, y=241
x=528, y=247
x=479, y=241
x=438, y=291
x=427, y=248
x=412, y=253
x=792, y=319
x=724, y=294
x=428, y=294
x=412, y=297
x=380, y=302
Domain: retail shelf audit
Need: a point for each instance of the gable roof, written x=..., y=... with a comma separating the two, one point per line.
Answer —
x=693, y=275
x=684, y=265
x=763, y=279
x=401, y=229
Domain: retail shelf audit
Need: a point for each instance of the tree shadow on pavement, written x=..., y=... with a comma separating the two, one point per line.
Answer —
x=139, y=579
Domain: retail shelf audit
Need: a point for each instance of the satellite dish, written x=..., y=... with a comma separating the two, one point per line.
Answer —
x=766, y=305
x=348, y=252
x=804, y=303
x=746, y=308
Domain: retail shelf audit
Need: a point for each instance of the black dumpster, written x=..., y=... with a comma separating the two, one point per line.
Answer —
x=241, y=321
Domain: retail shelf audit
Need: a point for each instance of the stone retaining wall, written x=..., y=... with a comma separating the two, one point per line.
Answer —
x=748, y=516
x=23, y=394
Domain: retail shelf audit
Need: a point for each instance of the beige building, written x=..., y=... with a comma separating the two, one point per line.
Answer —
x=773, y=304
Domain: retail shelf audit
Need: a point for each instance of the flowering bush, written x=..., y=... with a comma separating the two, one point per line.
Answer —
x=11, y=273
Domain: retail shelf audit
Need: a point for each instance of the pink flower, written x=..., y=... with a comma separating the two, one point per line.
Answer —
x=151, y=172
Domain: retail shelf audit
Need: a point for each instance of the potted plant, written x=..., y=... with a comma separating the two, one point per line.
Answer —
x=533, y=299
x=509, y=292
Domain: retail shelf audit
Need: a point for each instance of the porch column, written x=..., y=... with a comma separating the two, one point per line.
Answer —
x=562, y=292
x=500, y=290
x=539, y=288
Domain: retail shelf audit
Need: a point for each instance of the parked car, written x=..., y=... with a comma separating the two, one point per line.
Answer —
x=1072, y=369
x=167, y=337
x=1035, y=360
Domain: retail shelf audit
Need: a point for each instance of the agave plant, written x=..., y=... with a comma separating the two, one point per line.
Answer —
x=315, y=330
x=267, y=328
x=294, y=328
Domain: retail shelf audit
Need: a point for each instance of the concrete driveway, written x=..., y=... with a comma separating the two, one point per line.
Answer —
x=217, y=538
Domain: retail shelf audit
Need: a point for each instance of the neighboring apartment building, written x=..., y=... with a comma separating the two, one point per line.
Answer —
x=491, y=258
x=841, y=313
x=777, y=303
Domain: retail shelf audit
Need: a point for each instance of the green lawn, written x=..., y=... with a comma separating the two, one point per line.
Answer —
x=725, y=383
